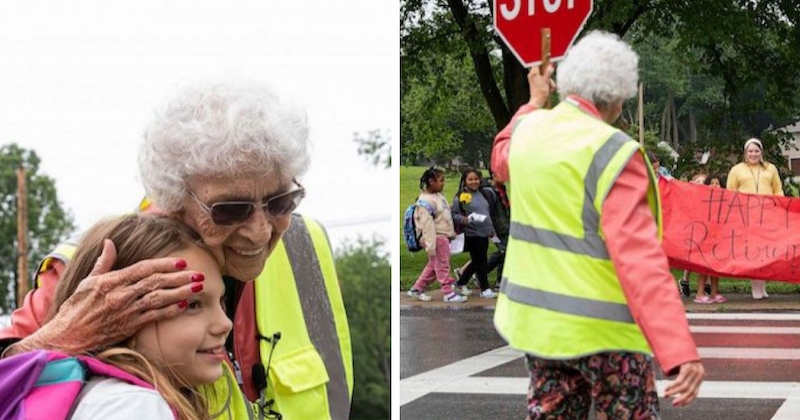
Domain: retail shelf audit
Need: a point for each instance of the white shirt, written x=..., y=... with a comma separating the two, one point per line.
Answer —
x=109, y=398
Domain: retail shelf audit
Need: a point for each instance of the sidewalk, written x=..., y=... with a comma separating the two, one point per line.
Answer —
x=735, y=303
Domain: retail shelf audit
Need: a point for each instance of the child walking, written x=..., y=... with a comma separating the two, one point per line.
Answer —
x=176, y=355
x=500, y=220
x=472, y=212
x=437, y=230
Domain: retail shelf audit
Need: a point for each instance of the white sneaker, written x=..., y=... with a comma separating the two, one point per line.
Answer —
x=416, y=294
x=454, y=298
x=465, y=290
x=488, y=294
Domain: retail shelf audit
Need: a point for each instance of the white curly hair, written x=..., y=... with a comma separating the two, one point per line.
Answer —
x=222, y=131
x=601, y=68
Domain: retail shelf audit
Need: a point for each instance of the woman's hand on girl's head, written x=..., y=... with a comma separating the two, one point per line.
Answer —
x=110, y=306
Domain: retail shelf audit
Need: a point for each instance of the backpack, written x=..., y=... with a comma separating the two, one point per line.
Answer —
x=499, y=212
x=46, y=384
x=410, y=227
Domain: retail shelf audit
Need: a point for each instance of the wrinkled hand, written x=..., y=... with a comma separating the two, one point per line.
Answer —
x=110, y=306
x=687, y=385
x=540, y=86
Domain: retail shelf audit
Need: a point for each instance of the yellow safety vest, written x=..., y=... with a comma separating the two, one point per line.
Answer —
x=298, y=295
x=561, y=297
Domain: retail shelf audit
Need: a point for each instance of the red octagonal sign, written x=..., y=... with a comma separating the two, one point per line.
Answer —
x=519, y=24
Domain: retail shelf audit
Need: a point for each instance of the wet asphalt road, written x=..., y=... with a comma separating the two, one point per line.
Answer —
x=440, y=340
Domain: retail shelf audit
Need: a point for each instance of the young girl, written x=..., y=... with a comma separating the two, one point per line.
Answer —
x=176, y=355
x=437, y=230
x=713, y=295
x=472, y=212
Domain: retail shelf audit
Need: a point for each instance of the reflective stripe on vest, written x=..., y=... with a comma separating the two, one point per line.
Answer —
x=589, y=308
x=591, y=244
x=560, y=282
x=311, y=368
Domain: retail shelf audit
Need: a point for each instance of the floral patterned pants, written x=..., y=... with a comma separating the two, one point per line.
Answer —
x=622, y=386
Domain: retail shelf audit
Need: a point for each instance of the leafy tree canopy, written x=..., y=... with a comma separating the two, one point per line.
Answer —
x=715, y=71
x=48, y=222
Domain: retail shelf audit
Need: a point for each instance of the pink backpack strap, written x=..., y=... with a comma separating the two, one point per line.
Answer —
x=104, y=369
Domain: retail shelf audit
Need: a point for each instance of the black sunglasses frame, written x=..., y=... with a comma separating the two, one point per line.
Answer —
x=222, y=217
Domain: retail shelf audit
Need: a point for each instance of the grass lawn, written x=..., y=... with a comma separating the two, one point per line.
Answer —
x=411, y=263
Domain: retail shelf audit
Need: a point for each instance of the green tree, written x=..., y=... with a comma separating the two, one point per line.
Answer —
x=365, y=273
x=442, y=115
x=48, y=222
x=723, y=70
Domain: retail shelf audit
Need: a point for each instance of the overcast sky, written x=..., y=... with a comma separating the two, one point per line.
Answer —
x=80, y=79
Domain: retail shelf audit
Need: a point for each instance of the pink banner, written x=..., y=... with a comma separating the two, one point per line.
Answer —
x=723, y=233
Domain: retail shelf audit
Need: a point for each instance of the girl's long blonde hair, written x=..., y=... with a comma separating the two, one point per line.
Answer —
x=136, y=237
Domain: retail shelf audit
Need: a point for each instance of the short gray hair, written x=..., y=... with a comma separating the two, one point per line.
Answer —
x=601, y=68
x=221, y=131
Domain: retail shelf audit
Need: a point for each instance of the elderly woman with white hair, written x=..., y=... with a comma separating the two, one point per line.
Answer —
x=755, y=176
x=588, y=294
x=225, y=160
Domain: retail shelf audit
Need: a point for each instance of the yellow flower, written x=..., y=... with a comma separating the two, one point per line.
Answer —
x=465, y=197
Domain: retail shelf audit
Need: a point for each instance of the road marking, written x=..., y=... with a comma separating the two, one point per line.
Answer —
x=748, y=353
x=744, y=330
x=790, y=409
x=709, y=389
x=457, y=378
x=744, y=317
x=443, y=378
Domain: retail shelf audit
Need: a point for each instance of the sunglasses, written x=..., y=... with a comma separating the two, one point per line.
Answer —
x=233, y=212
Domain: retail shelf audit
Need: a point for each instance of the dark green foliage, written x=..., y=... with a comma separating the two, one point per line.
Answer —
x=721, y=70
x=365, y=274
x=48, y=222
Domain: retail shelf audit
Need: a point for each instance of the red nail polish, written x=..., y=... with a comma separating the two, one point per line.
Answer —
x=180, y=264
x=198, y=277
x=197, y=287
x=183, y=304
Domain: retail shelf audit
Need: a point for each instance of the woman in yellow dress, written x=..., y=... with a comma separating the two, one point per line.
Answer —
x=755, y=176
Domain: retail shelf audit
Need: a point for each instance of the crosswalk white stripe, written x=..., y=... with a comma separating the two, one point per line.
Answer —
x=748, y=353
x=443, y=378
x=707, y=329
x=790, y=409
x=709, y=389
x=456, y=376
x=743, y=317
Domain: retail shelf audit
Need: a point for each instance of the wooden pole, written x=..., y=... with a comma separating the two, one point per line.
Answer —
x=545, y=56
x=22, y=236
x=641, y=113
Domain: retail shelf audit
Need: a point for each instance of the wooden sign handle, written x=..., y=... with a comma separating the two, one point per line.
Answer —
x=545, y=50
x=545, y=56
